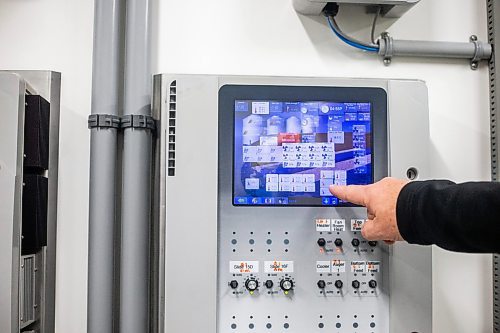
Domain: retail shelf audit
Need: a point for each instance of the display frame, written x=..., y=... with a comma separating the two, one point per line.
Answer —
x=377, y=97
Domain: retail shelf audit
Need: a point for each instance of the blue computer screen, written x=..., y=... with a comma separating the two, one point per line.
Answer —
x=290, y=152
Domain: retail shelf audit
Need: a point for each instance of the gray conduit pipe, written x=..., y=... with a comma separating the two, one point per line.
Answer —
x=103, y=155
x=475, y=50
x=136, y=190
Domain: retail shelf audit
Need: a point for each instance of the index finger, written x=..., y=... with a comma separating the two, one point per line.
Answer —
x=355, y=194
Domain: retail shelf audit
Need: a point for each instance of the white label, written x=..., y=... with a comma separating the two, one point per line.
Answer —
x=277, y=266
x=271, y=178
x=341, y=174
x=326, y=174
x=357, y=225
x=338, y=266
x=272, y=187
x=338, y=225
x=322, y=225
x=358, y=266
x=252, y=183
x=373, y=266
x=243, y=267
x=323, y=267
x=260, y=107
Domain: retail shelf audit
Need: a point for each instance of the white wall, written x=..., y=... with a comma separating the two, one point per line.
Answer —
x=268, y=38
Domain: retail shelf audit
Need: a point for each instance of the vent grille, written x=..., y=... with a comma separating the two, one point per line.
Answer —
x=172, y=110
x=27, y=292
x=493, y=10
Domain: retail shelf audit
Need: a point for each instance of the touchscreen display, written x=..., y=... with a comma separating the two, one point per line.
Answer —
x=290, y=152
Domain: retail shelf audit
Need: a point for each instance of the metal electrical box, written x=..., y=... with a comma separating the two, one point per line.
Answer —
x=390, y=8
x=251, y=240
x=29, y=145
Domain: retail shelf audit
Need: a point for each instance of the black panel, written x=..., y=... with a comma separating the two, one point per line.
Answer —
x=36, y=133
x=34, y=214
x=228, y=94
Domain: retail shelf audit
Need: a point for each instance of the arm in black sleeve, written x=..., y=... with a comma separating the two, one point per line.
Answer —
x=457, y=217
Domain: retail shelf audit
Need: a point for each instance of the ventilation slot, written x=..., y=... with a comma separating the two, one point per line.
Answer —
x=172, y=110
x=27, y=285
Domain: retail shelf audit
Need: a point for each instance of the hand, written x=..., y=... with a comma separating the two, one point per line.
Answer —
x=380, y=200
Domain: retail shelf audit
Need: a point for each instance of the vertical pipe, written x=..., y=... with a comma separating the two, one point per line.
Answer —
x=103, y=154
x=136, y=188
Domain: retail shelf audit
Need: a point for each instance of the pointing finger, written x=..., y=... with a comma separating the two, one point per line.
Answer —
x=369, y=230
x=355, y=194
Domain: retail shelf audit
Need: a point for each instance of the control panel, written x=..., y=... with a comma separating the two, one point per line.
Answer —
x=253, y=239
x=291, y=255
x=315, y=275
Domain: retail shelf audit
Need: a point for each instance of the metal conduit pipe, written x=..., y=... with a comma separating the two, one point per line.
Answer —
x=136, y=188
x=475, y=50
x=103, y=158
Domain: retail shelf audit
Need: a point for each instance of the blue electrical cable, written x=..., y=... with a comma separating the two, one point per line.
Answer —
x=349, y=42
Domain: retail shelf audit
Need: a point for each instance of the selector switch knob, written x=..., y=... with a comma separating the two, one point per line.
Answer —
x=321, y=284
x=269, y=284
x=372, y=243
x=339, y=284
x=321, y=242
x=338, y=242
x=233, y=284
x=355, y=284
x=355, y=242
x=286, y=285
x=372, y=284
x=251, y=284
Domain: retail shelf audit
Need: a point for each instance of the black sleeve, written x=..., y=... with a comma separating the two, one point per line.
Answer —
x=457, y=217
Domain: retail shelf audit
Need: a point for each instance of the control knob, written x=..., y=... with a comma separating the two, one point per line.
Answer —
x=339, y=284
x=321, y=284
x=372, y=243
x=338, y=242
x=286, y=285
x=233, y=284
x=355, y=284
x=372, y=284
x=321, y=242
x=355, y=242
x=251, y=285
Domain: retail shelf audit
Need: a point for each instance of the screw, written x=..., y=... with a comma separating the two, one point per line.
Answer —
x=387, y=61
x=473, y=38
x=474, y=65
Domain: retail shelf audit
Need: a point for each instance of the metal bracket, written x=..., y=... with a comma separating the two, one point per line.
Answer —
x=138, y=121
x=474, y=63
x=389, y=48
x=103, y=121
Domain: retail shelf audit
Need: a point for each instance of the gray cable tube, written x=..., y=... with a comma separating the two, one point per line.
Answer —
x=103, y=154
x=136, y=190
x=393, y=47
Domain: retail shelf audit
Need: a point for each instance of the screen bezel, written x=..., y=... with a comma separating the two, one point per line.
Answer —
x=377, y=97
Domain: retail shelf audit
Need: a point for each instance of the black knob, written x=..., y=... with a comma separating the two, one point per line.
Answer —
x=355, y=284
x=233, y=284
x=372, y=284
x=355, y=242
x=269, y=284
x=339, y=284
x=286, y=285
x=251, y=284
x=321, y=284
x=321, y=242
x=372, y=243
x=338, y=242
